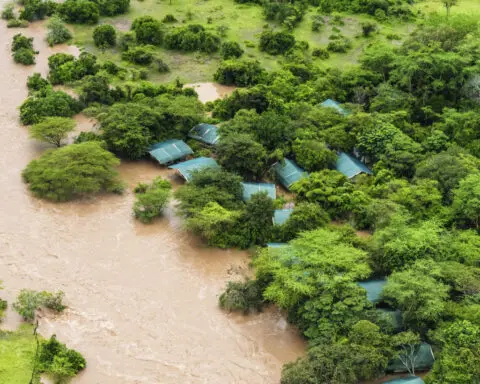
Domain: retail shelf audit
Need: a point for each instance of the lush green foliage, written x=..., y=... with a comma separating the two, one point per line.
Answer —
x=151, y=199
x=28, y=302
x=193, y=37
x=58, y=33
x=80, y=11
x=242, y=296
x=22, y=48
x=231, y=50
x=239, y=72
x=73, y=171
x=105, y=36
x=52, y=130
x=276, y=43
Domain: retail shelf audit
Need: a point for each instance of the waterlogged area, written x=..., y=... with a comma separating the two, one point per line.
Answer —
x=211, y=91
x=142, y=299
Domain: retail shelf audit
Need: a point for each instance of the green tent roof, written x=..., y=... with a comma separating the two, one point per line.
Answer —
x=374, y=289
x=406, y=380
x=394, y=316
x=280, y=216
x=288, y=172
x=187, y=167
x=329, y=103
x=169, y=151
x=424, y=360
x=276, y=245
x=350, y=166
x=207, y=133
x=250, y=189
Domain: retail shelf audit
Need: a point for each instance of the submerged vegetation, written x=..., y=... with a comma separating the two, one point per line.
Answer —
x=376, y=101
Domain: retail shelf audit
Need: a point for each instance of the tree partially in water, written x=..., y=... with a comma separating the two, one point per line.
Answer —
x=52, y=130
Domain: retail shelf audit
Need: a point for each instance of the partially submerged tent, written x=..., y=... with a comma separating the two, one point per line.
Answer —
x=422, y=361
x=280, y=216
x=186, y=168
x=250, y=189
x=406, y=380
x=350, y=166
x=329, y=103
x=168, y=151
x=288, y=172
x=206, y=133
x=374, y=289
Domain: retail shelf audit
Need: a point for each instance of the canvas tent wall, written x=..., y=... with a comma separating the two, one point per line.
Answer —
x=374, y=289
x=329, y=103
x=186, y=168
x=206, y=133
x=423, y=360
x=350, y=166
x=250, y=189
x=168, y=151
x=406, y=380
x=280, y=216
x=288, y=172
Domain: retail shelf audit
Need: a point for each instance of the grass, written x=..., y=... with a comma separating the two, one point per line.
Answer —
x=245, y=23
x=17, y=350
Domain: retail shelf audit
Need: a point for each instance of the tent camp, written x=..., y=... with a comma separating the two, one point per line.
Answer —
x=206, y=133
x=186, y=168
x=350, y=166
x=280, y=216
x=288, y=172
x=250, y=189
x=422, y=361
x=168, y=151
x=374, y=289
x=406, y=380
x=329, y=103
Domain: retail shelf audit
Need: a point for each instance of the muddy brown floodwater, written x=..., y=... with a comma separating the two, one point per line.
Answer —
x=211, y=91
x=142, y=299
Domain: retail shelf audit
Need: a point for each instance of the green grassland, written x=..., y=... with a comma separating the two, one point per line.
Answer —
x=17, y=350
x=245, y=22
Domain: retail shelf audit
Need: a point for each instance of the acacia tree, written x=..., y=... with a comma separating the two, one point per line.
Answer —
x=52, y=130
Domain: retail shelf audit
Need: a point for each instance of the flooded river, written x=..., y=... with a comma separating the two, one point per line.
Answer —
x=142, y=299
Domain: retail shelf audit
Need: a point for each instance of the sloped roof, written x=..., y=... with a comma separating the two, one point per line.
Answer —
x=207, y=133
x=374, y=289
x=288, y=172
x=170, y=150
x=250, y=189
x=406, y=380
x=280, y=216
x=187, y=167
x=329, y=103
x=350, y=166
x=423, y=361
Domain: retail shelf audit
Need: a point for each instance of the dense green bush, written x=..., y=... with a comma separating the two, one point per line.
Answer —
x=321, y=53
x=151, y=199
x=52, y=130
x=37, y=9
x=231, y=50
x=105, y=36
x=79, y=11
x=51, y=103
x=58, y=33
x=148, y=30
x=17, y=23
x=20, y=41
x=57, y=360
x=8, y=13
x=239, y=72
x=28, y=302
x=193, y=37
x=242, y=296
x=112, y=7
x=73, y=171
x=65, y=68
x=142, y=55
x=24, y=56
x=341, y=45
x=276, y=43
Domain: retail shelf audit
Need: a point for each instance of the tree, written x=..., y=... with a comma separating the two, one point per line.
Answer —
x=79, y=11
x=276, y=43
x=313, y=155
x=419, y=296
x=28, y=302
x=242, y=296
x=104, y=36
x=141, y=55
x=73, y=171
x=52, y=130
x=231, y=50
x=148, y=30
x=466, y=201
x=58, y=33
x=151, y=200
x=112, y=7
x=258, y=218
x=242, y=73
x=242, y=154
x=448, y=4
x=305, y=217
x=407, y=344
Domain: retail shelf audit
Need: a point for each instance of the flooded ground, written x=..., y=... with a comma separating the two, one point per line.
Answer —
x=211, y=91
x=142, y=299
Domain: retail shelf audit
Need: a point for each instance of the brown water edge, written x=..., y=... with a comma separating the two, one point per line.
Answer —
x=211, y=91
x=142, y=299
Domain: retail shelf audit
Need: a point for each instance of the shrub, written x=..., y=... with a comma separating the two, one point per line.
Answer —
x=191, y=38
x=162, y=67
x=276, y=43
x=242, y=296
x=20, y=41
x=112, y=7
x=231, y=50
x=317, y=23
x=340, y=46
x=17, y=23
x=321, y=53
x=66, y=68
x=169, y=19
x=148, y=30
x=79, y=11
x=104, y=36
x=73, y=171
x=59, y=361
x=24, y=56
x=368, y=28
x=242, y=73
x=142, y=55
x=52, y=130
x=126, y=41
x=37, y=9
x=8, y=12
x=29, y=301
x=58, y=33
x=151, y=199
